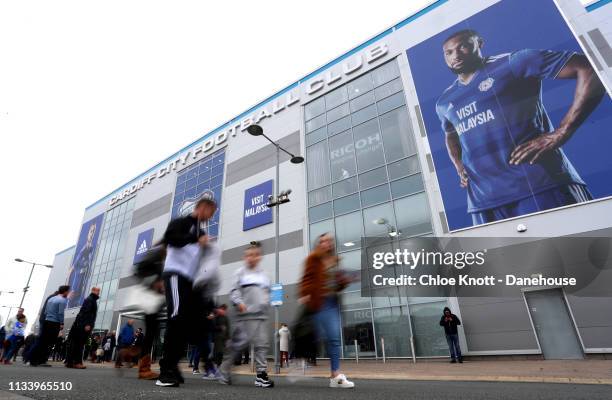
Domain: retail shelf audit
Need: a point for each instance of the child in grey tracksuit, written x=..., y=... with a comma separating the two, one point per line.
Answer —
x=250, y=296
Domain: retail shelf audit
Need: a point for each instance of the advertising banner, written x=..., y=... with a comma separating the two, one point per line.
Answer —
x=143, y=244
x=516, y=117
x=255, y=212
x=83, y=260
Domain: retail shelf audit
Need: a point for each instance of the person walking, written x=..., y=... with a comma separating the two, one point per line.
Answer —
x=318, y=291
x=184, y=239
x=81, y=330
x=450, y=322
x=15, y=339
x=250, y=296
x=51, y=326
x=8, y=328
x=124, y=343
x=222, y=332
x=284, y=336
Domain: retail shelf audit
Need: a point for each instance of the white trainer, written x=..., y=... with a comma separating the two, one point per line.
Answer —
x=340, y=381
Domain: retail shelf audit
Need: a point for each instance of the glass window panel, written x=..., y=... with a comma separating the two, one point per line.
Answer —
x=339, y=125
x=346, y=204
x=203, y=187
x=315, y=123
x=429, y=339
x=407, y=166
x=385, y=73
x=363, y=115
x=394, y=325
x=204, y=177
x=391, y=102
x=359, y=86
x=335, y=98
x=362, y=101
x=181, y=179
x=319, y=196
x=180, y=187
x=217, y=169
x=178, y=198
x=219, y=158
x=191, y=183
x=413, y=215
x=320, y=228
x=372, y=178
x=317, y=164
x=316, y=136
x=349, y=230
x=190, y=194
x=384, y=211
x=354, y=301
x=337, y=113
x=375, y=195
x=216, y=180
x=397, y=134
x=344, y=187
x=342, y=156
x=204, y=167
x=388, y=89
x=368, y=146
x=314, y=108
x=320, y=212
x=406, y=186
x=357, y=325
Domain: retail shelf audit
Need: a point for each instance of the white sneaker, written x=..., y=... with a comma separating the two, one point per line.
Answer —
x=340, y=381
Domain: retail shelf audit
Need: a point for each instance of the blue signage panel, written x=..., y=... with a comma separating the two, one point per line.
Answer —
x=143, y=244
x=276, y=294
x=255, y=212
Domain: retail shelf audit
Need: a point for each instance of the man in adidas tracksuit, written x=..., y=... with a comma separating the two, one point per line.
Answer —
x=184, y=239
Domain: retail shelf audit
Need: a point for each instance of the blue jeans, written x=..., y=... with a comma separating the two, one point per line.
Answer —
x=453, y=346
x=16, y=342
x=327, y=321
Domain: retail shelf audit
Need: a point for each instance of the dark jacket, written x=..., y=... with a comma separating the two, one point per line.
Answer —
x=182, y=248
x=87, y=313
x=126, y=336
x=450, y=327
x=222, y=331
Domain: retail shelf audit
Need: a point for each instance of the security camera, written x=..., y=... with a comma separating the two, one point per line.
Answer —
x=521, y=228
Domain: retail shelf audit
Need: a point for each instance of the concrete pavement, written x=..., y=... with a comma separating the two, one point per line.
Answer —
x=100, y=383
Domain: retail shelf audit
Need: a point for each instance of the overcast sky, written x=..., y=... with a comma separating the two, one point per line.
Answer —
x=93, y=93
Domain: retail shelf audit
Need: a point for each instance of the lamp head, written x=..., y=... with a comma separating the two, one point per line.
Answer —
x=255, y=130
x=297, y=159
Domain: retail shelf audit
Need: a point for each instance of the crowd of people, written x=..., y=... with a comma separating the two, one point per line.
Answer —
x=183, y=268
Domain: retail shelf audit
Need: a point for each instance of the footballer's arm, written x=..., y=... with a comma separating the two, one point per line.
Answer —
x=454, y=151
x=588, y=94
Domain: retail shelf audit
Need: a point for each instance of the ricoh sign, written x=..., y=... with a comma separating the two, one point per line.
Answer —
x=334, y=76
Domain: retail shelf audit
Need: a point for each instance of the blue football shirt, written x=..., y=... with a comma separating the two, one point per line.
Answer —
x=499, y=109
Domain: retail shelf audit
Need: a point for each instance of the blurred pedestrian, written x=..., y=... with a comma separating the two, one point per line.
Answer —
x=319, y=289
x=51, y=326
x=450, y=322
x=81, y=329
x=284, y=336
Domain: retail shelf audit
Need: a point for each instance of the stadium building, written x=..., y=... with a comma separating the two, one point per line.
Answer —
x=371, y=126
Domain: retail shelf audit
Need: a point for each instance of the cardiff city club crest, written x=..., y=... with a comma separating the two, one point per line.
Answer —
x=188, y=205
x=486, y=84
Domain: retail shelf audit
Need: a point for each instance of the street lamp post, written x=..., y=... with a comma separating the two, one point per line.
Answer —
x=278, y=199
x=27, y=286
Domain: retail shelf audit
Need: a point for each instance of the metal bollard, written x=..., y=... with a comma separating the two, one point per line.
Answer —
x=412, y=349
x=356, y=352
x=382, y=343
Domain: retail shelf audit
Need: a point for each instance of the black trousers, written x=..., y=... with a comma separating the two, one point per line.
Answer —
x=77, y=338
x=179, y=305
x=48, y=336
